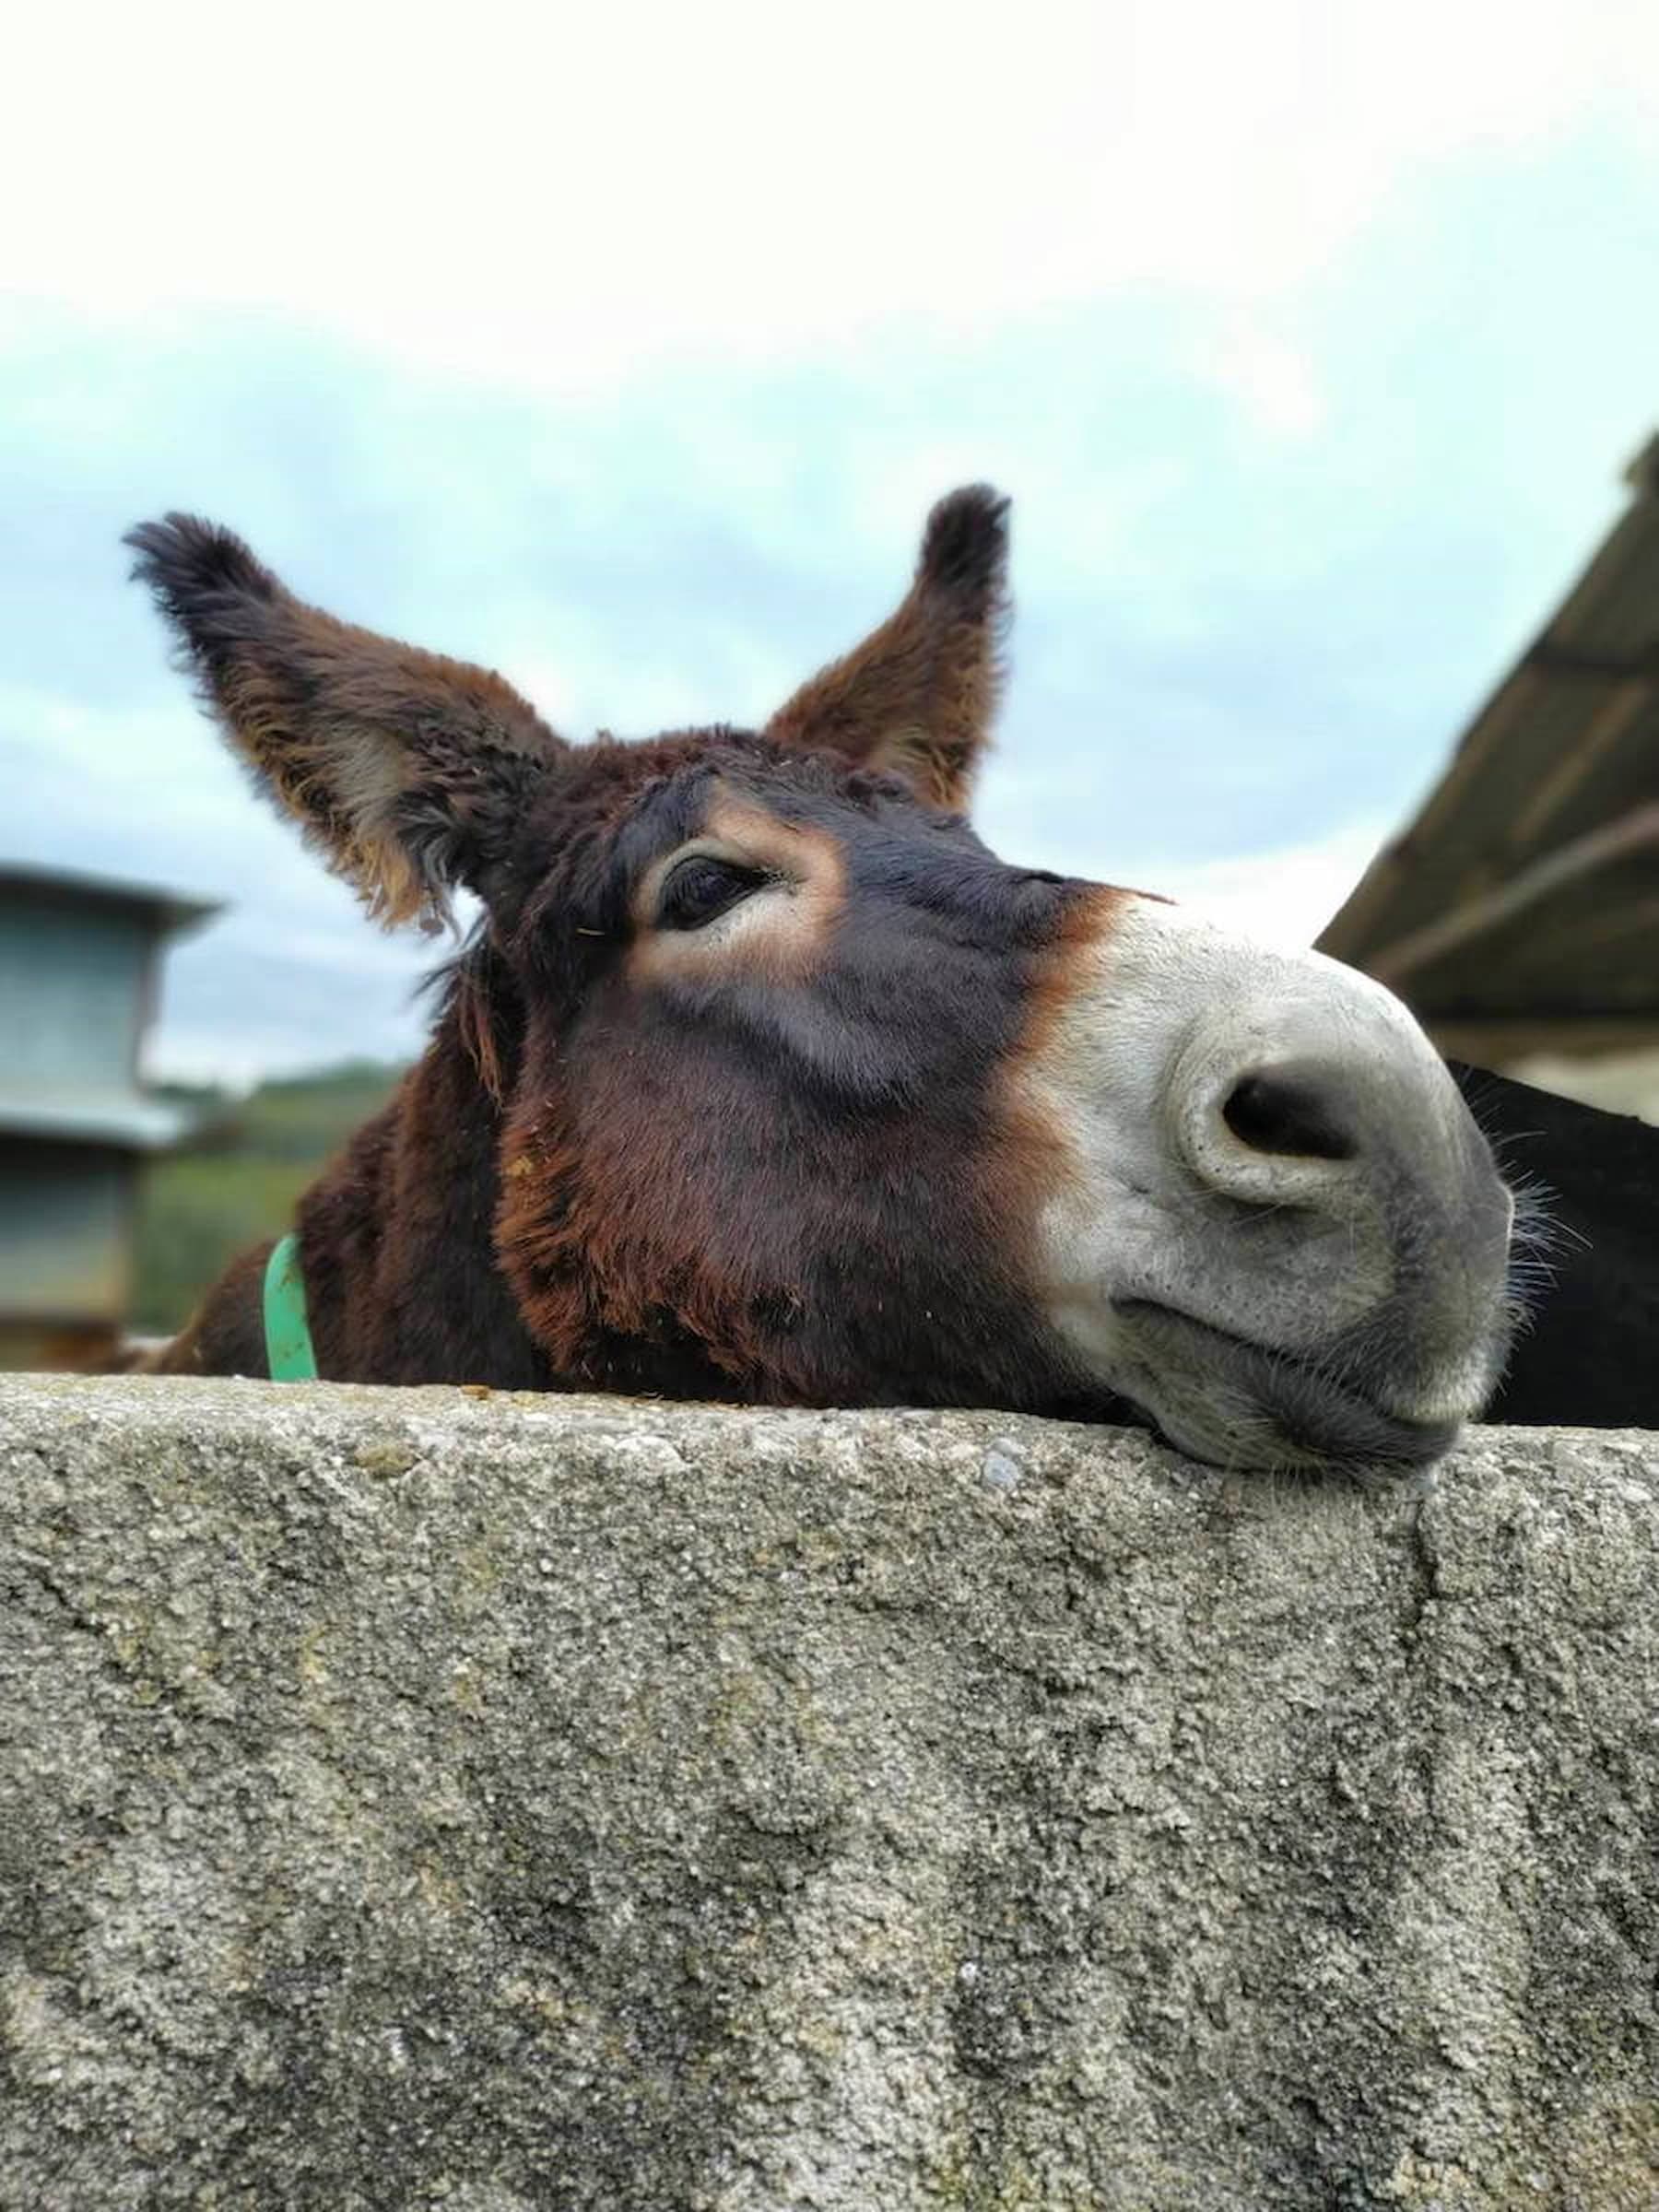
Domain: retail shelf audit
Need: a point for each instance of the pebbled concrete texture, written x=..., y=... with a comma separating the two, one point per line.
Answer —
x=421, y=1798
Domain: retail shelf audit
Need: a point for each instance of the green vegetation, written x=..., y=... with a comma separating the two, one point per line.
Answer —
x=238, y=1181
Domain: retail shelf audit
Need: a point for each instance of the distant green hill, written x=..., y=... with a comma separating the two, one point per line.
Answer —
x=239, y=1179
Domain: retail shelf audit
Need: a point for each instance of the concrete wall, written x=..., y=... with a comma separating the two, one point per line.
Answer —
x=416, y=1799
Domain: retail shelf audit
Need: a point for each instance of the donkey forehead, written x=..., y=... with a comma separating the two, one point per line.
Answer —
x=782, y=807
x=803, y=789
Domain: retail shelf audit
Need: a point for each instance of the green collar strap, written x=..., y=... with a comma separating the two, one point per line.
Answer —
x=288, y=1354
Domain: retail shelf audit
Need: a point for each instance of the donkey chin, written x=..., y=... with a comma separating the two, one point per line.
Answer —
x=1274, y=1229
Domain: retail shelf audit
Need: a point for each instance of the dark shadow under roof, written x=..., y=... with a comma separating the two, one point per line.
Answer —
x=1519, y=911
x=166, y=912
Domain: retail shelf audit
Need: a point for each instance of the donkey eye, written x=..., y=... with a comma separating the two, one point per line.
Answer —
x=703, y=888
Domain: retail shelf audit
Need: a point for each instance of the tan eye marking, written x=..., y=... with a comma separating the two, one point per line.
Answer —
x=750, y=887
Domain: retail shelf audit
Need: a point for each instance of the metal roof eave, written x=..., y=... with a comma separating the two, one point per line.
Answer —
x=1554, y=786
x=129, y=1123
x=174, y=913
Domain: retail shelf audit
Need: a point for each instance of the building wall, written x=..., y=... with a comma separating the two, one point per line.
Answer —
x=66, y=1250
x=73, y=991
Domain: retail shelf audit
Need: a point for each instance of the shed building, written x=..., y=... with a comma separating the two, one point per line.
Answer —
x=79, y=965
x=1518, y=911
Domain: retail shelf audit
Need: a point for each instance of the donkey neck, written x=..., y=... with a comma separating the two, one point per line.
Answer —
x=397, y=1236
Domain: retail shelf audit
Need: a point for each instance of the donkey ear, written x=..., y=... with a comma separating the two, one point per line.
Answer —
x=918, y=697
x=408, y=769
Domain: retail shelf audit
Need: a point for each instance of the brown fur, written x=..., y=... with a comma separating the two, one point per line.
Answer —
x=392, y=760
x=800, y=1160
x=918, y=696
x=771, y=1159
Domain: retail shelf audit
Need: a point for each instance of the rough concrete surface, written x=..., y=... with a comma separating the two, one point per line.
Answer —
x=415, y=1798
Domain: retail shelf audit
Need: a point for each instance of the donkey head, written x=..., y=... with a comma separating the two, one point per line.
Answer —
x=802, y=1094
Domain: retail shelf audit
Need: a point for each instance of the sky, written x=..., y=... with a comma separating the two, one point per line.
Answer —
x=626, y=355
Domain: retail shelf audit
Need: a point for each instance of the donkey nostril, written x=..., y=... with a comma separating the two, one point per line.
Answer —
x=1283, y=1113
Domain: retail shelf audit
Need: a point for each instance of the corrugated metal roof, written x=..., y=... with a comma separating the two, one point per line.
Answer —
x=167, y=910
x=1519, y=911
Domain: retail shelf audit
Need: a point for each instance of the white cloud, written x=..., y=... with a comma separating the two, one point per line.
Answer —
x=1274, y=381
x=1284, y=897
x=563, y=196
x=1282, y=894
x=785, y=262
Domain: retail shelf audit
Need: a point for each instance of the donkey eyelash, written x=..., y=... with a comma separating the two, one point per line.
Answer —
x=703, y=888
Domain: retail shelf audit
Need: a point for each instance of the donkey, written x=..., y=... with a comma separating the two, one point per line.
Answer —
x=762, y=1078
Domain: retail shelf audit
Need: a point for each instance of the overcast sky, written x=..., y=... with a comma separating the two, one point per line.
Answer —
x=627, y=355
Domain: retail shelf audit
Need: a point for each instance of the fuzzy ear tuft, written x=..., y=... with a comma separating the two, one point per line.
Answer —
x=409, y=770
x=918, y=698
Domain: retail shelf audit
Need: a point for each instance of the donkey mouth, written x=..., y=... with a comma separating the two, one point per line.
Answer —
x=1225, y=1399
